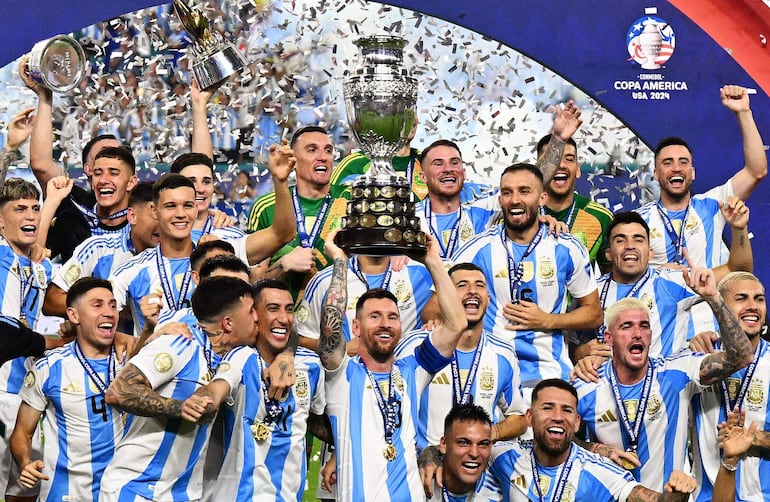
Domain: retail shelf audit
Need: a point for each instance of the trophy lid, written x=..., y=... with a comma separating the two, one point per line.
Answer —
x=382, y=49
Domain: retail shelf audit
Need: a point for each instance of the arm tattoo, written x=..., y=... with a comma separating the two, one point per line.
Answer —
x=320, y=427
x=275, y=271
x=132, y=393
x=6, y=159
x=550, y=160
x=737, y=347
x=331, y=344
x=761, y=440
x=431, y=455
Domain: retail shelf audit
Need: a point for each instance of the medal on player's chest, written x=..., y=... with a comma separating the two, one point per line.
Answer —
x=389, y=452
x=261, y=431
x=627, y=464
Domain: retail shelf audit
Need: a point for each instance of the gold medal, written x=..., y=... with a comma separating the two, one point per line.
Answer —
x=389, y=452
x=260, y=431
x=24, y=321
x=627, y=464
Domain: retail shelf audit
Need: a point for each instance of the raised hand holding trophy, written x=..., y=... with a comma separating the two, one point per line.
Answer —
x=213, y=58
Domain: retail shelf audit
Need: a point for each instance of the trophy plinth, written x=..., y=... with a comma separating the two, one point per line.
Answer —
x=380, y=218
x=213, y=58
x=58, y=63
x=380, y=100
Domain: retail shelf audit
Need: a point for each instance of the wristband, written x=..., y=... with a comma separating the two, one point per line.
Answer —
x=730, y=468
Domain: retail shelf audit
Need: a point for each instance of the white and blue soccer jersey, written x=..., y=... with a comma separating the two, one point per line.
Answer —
x=702, y=233
x=557, y=268
x=590, y=477
x=139, y=276
x=224, y=233
x=452, y=234
x=275, y=468
x=496, y=386
x=487, y=489
x=363, y=473
x=669, y=300
x=158, y=457
x=22, y=284
x=80, y=429
x=185, y=315
x=411, y=286
x=662, y=443
x=97, y=256
x=753, y=476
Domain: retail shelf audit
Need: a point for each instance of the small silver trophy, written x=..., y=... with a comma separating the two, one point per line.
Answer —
x=58, y=63
x=380, y=100
x=213, y=58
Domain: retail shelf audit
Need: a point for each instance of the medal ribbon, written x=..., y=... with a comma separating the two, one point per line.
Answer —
x=570, y=220
x=208, y=226
x=462, y=396
x=516, y=271
x=356, y=266
x=677, y=240
x=729, y=404
x=387, y=408
x=308, y=241
x=25, y=286
x=451, y=244
x=561, y=481
x=272, y=408
x=165, y=282
x=630, y=294
x=93, y=218
x=632, y=429
x=112, y=369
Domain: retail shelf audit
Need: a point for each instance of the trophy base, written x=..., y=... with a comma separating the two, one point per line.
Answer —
x=210, y=69
x=380, y=219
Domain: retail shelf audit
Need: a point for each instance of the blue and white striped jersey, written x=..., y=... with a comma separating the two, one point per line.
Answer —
x=273, y=468
x=496, y=386
x=98, y=256
x=160, y=458
x=703, y=229
x=591, y=477
x=363, y=473
x=411, y=286
x=557, y=268
x=753, y=476
x=80, y=429
x=662, y=444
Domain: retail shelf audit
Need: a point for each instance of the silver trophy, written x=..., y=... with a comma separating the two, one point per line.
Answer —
x=380, y=100
x=213, y=58
x=58, y=63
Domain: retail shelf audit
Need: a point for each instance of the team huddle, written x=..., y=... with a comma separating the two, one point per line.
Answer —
x=543, y=348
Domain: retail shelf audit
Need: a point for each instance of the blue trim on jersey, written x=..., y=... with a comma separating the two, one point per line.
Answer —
x=430, y=358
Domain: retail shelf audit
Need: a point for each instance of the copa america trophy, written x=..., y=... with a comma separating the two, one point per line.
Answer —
x=213, y=58
x=380, y=100
x=58, y=63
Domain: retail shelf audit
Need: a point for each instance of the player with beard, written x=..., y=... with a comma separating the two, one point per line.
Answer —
x=745, y=390
x=639, y=405
x=68, y=386
x=555, y=469
x=265, y=457
x=680, y=220
x=585, y=219
x=372, y=399
x=531, y=274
